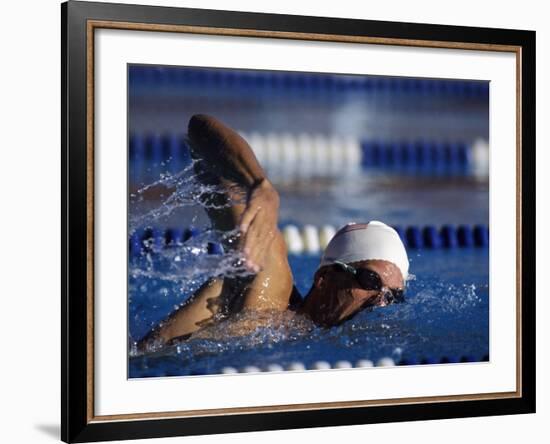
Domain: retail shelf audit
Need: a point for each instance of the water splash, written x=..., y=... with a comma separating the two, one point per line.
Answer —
x=244, y=330
x=444, y=297
x=182, y=261
x=435, y=321
x=174, y=271
x=187, y=188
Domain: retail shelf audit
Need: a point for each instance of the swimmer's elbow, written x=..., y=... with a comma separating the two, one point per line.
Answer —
x=211, y=139
x=196, y=129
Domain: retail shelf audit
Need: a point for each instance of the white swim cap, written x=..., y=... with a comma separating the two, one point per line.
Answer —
x=360, y=242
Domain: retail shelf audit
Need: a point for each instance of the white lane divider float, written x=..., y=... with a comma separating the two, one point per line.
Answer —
x=317, y=365
x=343, y=364
x=326, y=233
x=293, y=239
x=309, y=239
x=321, y=365
x=385, y=362
x=296, y=366
x=480, y=158
x=364, y=363
x=274, y=368
x=287, y=155
x=305, y=155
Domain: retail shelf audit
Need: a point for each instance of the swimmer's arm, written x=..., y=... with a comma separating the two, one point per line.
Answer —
x=226, y=154
x=190, y=317
x=224, y=151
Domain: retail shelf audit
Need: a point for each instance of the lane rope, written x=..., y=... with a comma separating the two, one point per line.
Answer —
x=168, y=79
x=344, y=364
x=310, y=239
x=288, y=155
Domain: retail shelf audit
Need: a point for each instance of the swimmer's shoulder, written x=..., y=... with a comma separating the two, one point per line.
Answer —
x=296, y=301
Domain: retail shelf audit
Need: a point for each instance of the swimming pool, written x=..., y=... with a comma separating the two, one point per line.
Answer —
x=418, y=166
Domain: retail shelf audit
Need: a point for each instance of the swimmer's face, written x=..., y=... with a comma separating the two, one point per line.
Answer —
x=338, y=295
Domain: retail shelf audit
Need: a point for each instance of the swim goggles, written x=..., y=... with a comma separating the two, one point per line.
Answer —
x=371, y=280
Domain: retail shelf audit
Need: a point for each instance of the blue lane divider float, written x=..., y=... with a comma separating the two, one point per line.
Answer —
x=146, y=240
x=419, y=156
x=343, y=364
x=310, y=239
x=447, y=236
x=149, y=154
x=144, y=78
x=310, y=154
x=158, y=147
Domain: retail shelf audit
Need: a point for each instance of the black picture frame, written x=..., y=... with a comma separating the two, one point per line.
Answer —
x=77, y=423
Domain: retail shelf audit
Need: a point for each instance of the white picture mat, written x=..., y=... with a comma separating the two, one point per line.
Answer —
x=115, y=394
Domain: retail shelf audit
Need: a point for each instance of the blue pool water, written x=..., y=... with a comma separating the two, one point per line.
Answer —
x=446, y=315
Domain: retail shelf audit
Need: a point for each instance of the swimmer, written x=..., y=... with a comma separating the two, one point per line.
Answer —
x=364, y=265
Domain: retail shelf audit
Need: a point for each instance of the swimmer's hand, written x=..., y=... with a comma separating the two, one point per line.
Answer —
x=258, y=223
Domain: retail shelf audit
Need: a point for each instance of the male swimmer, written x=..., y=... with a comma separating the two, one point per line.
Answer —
x=364, y=265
